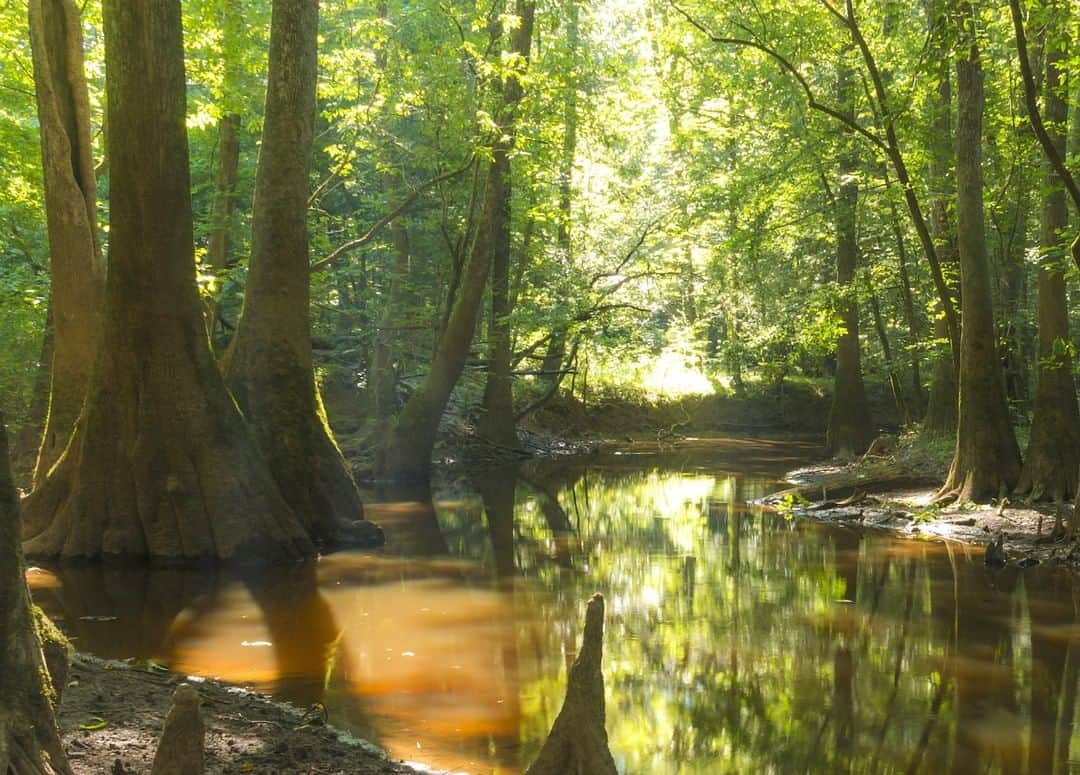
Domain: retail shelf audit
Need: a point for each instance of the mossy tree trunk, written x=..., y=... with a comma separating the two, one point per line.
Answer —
x=29, y=738
x=269, y=364
x=1053, y=453
x=76, y=266
x=986, y=462
x=406, y=452
x=161, y=466
x=849, y=430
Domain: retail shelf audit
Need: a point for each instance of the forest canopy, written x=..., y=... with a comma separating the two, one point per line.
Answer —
x=514, y=204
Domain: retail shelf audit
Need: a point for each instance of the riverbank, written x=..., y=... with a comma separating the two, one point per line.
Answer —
x=111, y=716
x=897, y=491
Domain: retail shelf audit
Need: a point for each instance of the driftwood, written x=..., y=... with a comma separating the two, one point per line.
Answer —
x=180, y=751
x=839, y=487
x=578, y=744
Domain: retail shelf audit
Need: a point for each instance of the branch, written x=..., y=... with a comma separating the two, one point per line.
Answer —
x=1035, y=117
x=341, y=250
x=787, y=65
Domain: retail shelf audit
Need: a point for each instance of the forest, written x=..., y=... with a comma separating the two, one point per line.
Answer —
x=401, y=327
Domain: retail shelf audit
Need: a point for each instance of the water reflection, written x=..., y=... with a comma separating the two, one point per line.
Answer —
x=737, y=641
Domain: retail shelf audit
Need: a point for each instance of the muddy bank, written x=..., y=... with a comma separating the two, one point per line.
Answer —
x=886, y=495
x=112, y=713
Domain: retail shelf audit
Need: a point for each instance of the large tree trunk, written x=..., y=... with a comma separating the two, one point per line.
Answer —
x=942, y=406
x=161, y=465
x=406, y=452
x=77, y=269
x=29, y=738
x=1053, y=453
x=849, y=430
x=269, y=364
x=987, y=458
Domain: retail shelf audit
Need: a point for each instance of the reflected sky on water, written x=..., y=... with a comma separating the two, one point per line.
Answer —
x=737, y=640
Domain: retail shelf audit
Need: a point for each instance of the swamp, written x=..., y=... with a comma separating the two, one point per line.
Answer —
x=539, y=387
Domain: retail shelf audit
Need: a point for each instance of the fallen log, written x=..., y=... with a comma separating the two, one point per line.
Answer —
x=578, y=744
x=837, y=488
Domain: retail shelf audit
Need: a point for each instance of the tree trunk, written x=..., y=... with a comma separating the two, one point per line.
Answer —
x=228, y=164
x=161, y=466
x=269, y=364
x=987, y=460
x=850, y=430
x=942, y=406
x=497, y=422
x=76, y=264
x=1053, y=453
x=406, y=452
x=29, y=738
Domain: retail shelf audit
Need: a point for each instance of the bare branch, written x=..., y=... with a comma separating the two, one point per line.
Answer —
x=341, y=250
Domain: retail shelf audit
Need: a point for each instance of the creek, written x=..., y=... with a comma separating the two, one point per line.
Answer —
x=737, y=640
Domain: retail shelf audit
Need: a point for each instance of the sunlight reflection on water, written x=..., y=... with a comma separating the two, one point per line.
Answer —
x=737, y=641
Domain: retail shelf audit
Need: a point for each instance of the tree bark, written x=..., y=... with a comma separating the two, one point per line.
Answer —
x=269, y=364
x=577, y=744
x=1053, y=453
x=849, y=431
x=942, y=404
x=987, y=460
x=161, y=466
x=76, y=265
x=497, y=423
x=29, y=738
x=406, y=452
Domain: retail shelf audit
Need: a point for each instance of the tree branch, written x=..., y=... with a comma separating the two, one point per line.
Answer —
x=787, y=65
x=1035, y=117
x=341, y=250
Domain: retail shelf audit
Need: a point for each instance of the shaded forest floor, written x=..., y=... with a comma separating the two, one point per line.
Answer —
x=245, y=732
x=896, y=492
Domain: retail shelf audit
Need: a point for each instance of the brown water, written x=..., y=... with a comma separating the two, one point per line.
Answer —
x=737, y=641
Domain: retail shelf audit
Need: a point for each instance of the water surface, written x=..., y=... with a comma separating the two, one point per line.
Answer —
x=737, y=640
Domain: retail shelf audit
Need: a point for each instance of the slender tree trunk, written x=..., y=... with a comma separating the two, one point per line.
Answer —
x=1053, y=453
x=269, y=364
x=29, y=738
x=406, y=452
x=217, y=250
x=161, y=465
x=849, y=430
x=77, y=269
x=941, y=408
x=497, y=423
x=987, y=459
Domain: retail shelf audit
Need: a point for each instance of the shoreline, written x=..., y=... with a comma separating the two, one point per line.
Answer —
x=882, y=495
x=111, y=716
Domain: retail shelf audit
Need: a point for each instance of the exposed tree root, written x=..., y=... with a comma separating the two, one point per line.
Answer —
x=578, y=743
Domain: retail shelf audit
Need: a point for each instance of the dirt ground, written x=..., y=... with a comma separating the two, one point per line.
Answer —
x=882, y=496
x=111, y=716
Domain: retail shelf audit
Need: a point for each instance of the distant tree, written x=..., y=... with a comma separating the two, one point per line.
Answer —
x=406, y=453
x=849, y=431
x=987, y=459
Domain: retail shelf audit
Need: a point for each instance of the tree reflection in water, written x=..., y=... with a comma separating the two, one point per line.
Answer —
x=737, y=640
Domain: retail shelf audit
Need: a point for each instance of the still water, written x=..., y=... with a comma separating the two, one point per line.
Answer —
x=737, y=641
